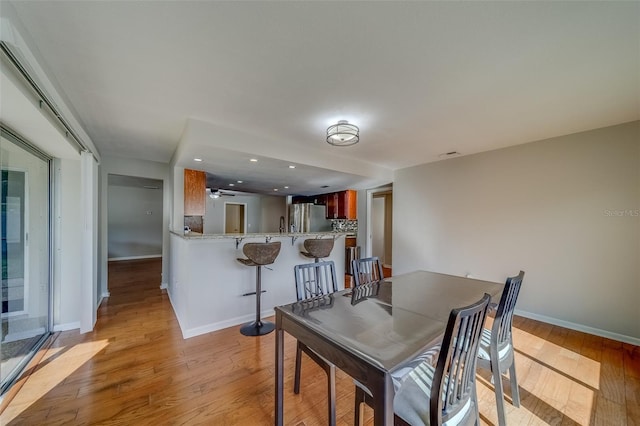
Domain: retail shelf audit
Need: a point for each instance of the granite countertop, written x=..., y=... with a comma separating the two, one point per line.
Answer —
x=198, y=236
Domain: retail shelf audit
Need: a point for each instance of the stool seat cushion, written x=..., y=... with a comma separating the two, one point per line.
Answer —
x=247, y=262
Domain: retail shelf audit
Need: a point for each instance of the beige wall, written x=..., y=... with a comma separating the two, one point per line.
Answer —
x=564, y=210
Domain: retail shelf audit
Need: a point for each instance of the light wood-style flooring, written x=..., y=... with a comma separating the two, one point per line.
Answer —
x=135, y=369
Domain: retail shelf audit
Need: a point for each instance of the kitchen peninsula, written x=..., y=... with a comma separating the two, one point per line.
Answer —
x=207, y=283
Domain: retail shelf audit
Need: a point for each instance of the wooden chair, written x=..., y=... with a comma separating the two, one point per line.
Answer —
x=367, y=270
x=444, y=393
x=496, y=346
x=313, y=281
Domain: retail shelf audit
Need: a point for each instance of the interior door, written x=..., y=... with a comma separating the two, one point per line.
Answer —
x=234, y=218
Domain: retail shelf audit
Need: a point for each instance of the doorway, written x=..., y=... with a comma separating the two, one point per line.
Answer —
x=380, y=225
x=25, y=229
x=234, y=218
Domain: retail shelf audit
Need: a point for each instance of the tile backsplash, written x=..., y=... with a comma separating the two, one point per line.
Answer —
x=344, y=225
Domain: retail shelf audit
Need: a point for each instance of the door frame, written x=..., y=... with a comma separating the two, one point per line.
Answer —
x=244, y=216
x=25, y=237
x=368, y=238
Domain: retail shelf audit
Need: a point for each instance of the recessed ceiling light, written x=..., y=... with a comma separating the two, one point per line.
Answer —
x=254, y=160
x=286, y=187
x=292, y=166
x=198, y=160
x=232, y=184
x=275, y=189
x=239, y=181
x=324, y=186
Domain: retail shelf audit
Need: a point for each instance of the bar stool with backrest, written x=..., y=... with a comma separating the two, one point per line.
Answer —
x=314, y=280
x=317, y=248
x=367, y=270
x=496, y=352
x=258, y=255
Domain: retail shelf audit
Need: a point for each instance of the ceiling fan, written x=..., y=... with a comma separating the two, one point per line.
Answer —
x=217, y=193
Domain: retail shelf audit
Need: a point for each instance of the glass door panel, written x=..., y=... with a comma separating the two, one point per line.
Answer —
x=24, y=228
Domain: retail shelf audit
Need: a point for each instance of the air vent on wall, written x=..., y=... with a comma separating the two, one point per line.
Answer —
x=450, y=154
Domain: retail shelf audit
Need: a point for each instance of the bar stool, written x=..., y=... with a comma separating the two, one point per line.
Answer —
x=317, y=248
x=258, y=255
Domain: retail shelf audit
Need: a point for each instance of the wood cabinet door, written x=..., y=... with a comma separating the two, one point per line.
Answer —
x=347, y=204
x=332, y=206
x=195, y=187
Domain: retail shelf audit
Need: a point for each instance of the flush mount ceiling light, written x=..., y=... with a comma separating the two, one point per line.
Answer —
x=343, y=134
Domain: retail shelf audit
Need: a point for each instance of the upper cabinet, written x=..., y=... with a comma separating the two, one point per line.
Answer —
x=195, y=188
x=342, y=205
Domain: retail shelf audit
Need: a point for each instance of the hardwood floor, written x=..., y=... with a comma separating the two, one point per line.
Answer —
x=135, y=368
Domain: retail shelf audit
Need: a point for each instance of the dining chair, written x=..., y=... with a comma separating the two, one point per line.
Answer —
x=313, y=281
x=444, y=393
x=367, y=270
x=496, y=346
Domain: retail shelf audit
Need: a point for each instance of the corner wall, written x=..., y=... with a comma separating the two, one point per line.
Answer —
x=565, y=210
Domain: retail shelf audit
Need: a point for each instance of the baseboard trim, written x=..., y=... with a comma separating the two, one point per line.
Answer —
x=208, y=328
x=149, y=256
x=66, y=327
x=164, y=286
x=579, y=327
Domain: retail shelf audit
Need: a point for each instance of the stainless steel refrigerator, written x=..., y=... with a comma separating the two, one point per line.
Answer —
x=308, y=217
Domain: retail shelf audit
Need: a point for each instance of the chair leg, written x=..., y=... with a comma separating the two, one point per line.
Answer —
x=359, y=407
x=331, y=393
x=475, y=402
x=515, y=391
x=296, y=380
x=497, y=385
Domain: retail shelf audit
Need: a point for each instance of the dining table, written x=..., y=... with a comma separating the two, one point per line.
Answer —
x=376, y=329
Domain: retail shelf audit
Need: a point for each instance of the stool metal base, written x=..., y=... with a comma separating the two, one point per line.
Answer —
x=257, y=328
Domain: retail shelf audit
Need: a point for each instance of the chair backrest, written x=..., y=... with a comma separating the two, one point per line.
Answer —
x=367, y=270
x=262, y=253
x=315, y=279
x=501, y=330
x=319, y=247
x=454, y=376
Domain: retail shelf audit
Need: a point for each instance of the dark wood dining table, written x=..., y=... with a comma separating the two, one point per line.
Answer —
x=373, y=330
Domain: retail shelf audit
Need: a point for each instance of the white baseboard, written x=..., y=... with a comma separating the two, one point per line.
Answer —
x=106, y=294
x=164, y=286
x=66, y=327
x=580, y=327
x=149, y=256
x=208, y=328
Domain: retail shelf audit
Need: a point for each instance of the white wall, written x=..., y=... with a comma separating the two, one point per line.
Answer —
x=272, y=209
x=133, y=232
x=543, y=207
x=67, y=245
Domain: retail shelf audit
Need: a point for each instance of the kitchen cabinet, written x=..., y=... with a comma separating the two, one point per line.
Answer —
x=195, y=188
x=342, y=205
x=318, y=200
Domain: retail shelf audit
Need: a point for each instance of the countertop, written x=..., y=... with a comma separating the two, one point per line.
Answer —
x=198, y=236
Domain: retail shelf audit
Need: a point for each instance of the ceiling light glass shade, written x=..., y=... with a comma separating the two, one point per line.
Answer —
x=343, y=134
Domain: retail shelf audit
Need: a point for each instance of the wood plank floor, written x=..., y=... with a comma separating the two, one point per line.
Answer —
x=135, y=368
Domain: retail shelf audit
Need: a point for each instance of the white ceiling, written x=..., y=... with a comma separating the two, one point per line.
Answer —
x=267, y=78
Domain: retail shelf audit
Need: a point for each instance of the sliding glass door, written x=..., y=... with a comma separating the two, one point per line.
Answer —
x=24, y=228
